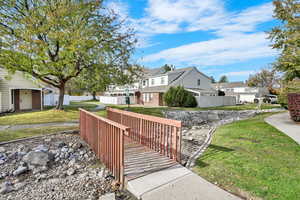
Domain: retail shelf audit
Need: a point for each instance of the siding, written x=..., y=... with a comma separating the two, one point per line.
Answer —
x=17, y=80
x=191, y=81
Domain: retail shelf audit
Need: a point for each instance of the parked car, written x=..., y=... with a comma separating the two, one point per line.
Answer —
x=267, y=99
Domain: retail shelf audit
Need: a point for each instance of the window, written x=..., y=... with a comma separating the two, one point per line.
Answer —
x=162, y=81
x=144, y=83
x=199, y=82
x=152, y=81
x=12, y=96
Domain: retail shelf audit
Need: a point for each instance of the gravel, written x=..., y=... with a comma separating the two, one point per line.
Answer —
x=54, y=167
x=192, y=139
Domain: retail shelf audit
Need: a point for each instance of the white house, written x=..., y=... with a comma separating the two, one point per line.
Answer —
x=154, y=83
x=241, y=91
x=19, y=92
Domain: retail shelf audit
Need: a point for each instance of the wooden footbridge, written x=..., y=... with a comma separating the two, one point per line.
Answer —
x=132, y=145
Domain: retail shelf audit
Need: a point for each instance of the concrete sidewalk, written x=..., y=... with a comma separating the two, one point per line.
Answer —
x=176, y=183
x=283, y=122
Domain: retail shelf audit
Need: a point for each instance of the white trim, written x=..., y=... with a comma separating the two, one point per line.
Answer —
x=26, y=88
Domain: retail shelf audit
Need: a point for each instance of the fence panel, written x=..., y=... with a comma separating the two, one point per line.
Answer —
x=159, y=134
x=106, y=138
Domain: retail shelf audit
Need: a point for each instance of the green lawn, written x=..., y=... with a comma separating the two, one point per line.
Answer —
x=253, y=159
x=29, y=132
x=157, y=111
x=70, y=113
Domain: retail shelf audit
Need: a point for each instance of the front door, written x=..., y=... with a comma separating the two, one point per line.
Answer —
x=25, y=100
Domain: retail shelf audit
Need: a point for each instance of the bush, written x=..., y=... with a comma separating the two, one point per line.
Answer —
x=190, y=101
x=179, y=97
x=290, y=87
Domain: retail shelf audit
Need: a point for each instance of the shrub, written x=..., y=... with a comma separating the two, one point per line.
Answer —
x=290, y=87
x=190, y=101
x=179, y=97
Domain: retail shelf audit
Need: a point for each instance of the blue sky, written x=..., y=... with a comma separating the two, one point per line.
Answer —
x=219, y=37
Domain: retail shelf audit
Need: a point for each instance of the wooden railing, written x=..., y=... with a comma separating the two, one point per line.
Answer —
x=106, y=138
x=160, y=134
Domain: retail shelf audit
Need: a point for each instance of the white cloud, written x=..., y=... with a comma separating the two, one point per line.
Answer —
x=237, y=38
x=227, y=50
x=239, y=73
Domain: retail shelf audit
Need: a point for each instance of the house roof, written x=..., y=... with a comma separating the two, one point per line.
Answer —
x=180, y=74
x=230, y=85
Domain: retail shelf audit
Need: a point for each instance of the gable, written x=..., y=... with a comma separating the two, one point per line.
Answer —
x=191, y=78
x=17, y=80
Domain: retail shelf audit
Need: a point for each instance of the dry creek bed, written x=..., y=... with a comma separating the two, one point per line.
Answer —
x=54, y=167
x=62, y=166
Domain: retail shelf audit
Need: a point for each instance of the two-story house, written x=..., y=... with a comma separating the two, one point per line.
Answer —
x=154, y=83
x=154, y=86
x=241, y=91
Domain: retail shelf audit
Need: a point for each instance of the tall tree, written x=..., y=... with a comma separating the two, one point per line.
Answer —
x=56, y=41
x=213, y=80
x=167, y=67
x=223, y=79
x=97, y=79
x=286, y=37
x=264, y=78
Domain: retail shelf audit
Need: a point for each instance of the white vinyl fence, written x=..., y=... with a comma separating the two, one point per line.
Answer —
x=52, y=99
x=82, y=98
x=120, y=100
x=214, y=101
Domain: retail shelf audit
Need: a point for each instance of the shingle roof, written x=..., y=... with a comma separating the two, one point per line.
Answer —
x=229, y=85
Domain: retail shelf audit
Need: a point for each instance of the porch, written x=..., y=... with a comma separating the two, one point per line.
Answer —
x=23, y=99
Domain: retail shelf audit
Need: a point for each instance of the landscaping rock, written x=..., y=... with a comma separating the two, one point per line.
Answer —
x=71, y=171
x=2, y=150
x=54, y=178
x=41, y=148
x=20, y=170
x=37, y=158
x=19, y=186
x=6, y=187
x=61, y=144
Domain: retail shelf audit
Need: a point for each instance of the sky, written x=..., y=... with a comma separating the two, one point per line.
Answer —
x=219, y=37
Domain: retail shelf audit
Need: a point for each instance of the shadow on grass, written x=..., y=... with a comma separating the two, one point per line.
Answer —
x=212, y=151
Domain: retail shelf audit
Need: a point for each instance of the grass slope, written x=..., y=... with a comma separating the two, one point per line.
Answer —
x=253, y=159
x=23, y=133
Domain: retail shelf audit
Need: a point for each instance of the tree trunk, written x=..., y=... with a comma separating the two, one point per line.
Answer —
x=94, y=96
x=60, y=103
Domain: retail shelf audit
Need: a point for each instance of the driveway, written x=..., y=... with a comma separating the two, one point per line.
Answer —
x=283, y=122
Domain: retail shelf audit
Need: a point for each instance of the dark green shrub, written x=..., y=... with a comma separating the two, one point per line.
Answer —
x=190, y=101
x=179, y=97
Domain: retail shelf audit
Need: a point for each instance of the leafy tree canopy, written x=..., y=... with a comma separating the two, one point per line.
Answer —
x=213, y=80
x=167, y=67
x=264, y=78
x=56, y=41
x=223, y=79
x=286, y=37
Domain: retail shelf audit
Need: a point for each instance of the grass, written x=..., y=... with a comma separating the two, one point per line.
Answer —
x=253, y=159
x=70, y=113
x=29, y=132
x=158, y=111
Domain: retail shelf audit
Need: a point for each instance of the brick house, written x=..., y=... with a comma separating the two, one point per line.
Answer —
x=154, y=83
